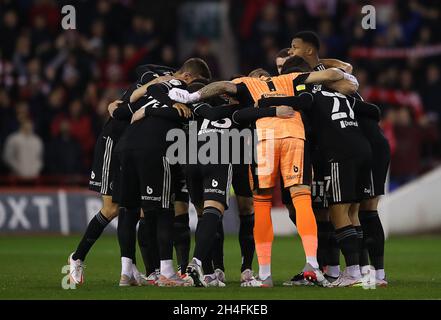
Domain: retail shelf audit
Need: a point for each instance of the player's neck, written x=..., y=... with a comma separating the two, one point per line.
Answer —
x=313, y=61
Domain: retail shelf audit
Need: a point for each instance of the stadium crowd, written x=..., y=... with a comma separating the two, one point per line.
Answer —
x=55, y=84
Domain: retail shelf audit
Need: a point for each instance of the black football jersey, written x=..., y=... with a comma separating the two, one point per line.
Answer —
x=336, y=128
x=115, y=127
x=151, y=131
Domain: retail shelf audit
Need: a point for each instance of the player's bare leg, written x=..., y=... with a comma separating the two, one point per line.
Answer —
x=94, y=230
x=374, y=237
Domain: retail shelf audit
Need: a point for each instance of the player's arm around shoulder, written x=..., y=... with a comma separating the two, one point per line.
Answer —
x=335, y=63
x=211, y=90
x=336, y=79
x=139, y=92
x=322, y=76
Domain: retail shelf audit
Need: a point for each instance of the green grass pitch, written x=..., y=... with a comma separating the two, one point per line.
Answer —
x=30, y=268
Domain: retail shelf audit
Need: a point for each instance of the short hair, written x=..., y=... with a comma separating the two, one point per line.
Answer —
x=295, y=64
x=309, y=37
x=197, y=67
x=284, y=53
x=259, y=72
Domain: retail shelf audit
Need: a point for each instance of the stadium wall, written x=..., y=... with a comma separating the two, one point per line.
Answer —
x=414, y=208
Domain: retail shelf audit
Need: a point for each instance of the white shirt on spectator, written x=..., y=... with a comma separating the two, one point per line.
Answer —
x=23, y=153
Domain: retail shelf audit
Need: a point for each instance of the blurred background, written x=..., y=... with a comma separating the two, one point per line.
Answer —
x=55, y=84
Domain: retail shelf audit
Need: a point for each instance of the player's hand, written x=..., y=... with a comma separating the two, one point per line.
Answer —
x=351, y=79
x=112, y=106
x=138, y=115
x=285, y=112
x=183, y=96
x=183, y=110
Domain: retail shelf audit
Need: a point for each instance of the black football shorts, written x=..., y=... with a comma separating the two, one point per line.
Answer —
x=101, y=177
x=349, y=180
x=241, y=180
x=209, y=182
x=146, y=180
x=380, y=166
x=180, y=183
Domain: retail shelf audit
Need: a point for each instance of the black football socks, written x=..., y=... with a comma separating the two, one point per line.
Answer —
x=165, y=233
x=246, y=241
x=218, y=247
x=364, y=257
x=348, y=243
x=127, y=220
x=206, y=232
x=94, y=230
x=182, y=240
x=148, y=242
x=374, y=237
x=324, y=232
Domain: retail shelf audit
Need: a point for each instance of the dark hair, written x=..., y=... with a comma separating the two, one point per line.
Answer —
x=283, y=53
x=256, y=73
x=195, y=86
x=295, y=64
x=201, y=80
x=197, y=67
x=309, y=37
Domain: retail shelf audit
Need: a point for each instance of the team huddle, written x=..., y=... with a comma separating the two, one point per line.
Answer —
x=307, y=126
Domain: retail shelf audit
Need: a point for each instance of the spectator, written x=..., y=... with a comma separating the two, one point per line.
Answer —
x=23, y=152
x=64, y=153
x=80, y=127
x=431, y=92
x=203, y=51
x=407, y=162
x=66, y=78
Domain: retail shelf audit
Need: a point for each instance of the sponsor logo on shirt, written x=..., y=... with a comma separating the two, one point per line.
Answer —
x=149, y=198
x=344, y=124
x=213, y=190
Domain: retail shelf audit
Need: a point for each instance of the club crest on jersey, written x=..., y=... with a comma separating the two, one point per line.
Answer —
x=317, y=87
